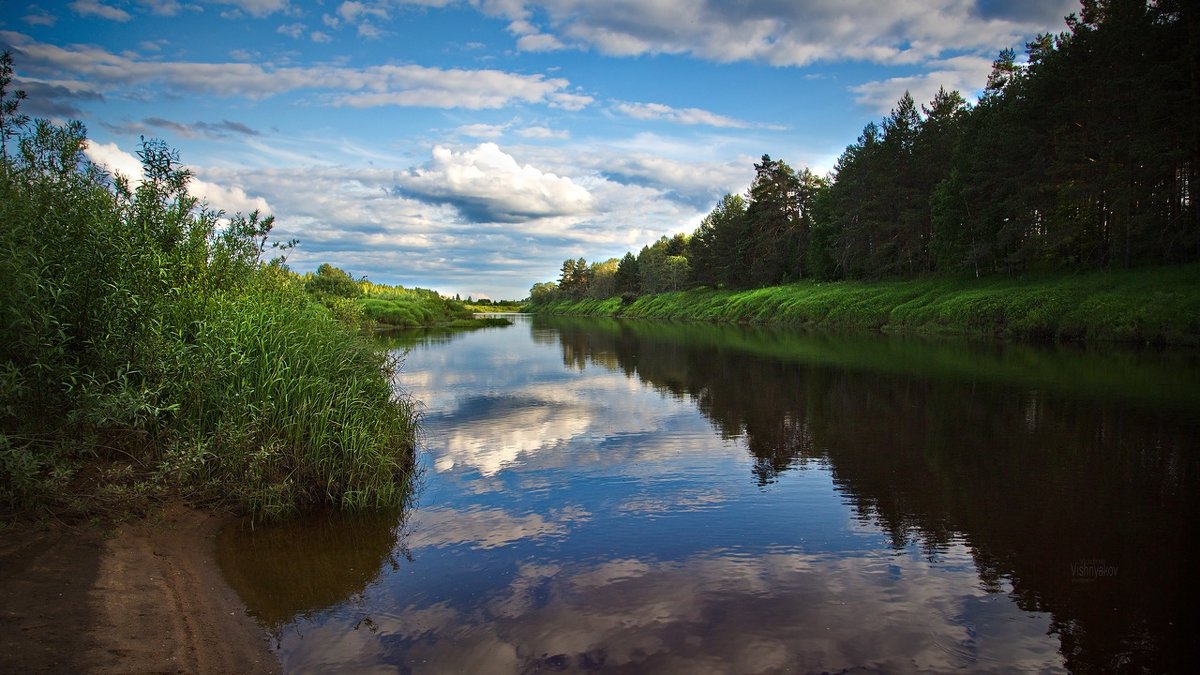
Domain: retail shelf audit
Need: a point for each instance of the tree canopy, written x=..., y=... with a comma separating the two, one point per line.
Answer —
x=1084, y=155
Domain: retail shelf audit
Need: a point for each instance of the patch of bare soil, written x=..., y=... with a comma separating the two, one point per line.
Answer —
x=147, y=599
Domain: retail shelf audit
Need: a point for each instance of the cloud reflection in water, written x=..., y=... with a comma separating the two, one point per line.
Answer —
x=718, y=611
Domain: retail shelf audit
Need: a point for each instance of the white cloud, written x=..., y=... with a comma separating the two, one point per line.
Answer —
x=543, y=133
x=381, y=85
x=162, y=7
x=481, y=130
x=39, y=17
x=319, y=36
x=115, y=160
x=353, y=217
x=963, y=73
x=352, y=11
x=570, y=102
x=258, y=8
x=896, y=613
x=369, y=31
x=228, y=198
x=292, y=30
x=487, y=185
x=99, y=9
x=785, y=33
x=485, y=528
x=659, y=111
x=539, y=42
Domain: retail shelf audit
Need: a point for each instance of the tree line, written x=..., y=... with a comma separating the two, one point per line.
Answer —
x=1083, y=155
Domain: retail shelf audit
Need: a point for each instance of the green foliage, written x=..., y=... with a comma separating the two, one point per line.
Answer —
x=294, y=408
x=1149, y=305
x=628, y=277
x=1085, y=157
x=330, y=281
x=543, y=292
x=406, y=308
x=485, y=305
x=146, y=348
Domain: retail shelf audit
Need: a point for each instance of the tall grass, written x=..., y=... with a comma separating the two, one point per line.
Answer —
x=146, y=349
x=286, y=405
x=1151, y=305
x=405, y=308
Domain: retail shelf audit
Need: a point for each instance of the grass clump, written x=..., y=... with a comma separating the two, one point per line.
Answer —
x=148, y=350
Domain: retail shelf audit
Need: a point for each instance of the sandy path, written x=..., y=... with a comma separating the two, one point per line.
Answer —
x=148, y=600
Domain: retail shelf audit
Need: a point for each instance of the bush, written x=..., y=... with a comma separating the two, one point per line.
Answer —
x=146, y=351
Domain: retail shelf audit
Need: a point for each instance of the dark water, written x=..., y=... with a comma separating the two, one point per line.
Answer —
x=651, y=497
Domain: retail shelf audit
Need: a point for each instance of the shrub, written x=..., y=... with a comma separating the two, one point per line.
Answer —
x=145, y=350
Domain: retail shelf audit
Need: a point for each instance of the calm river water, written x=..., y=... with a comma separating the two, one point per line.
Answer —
x=687, y=498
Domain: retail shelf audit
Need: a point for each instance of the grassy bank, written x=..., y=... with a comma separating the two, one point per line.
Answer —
x=1150, y=305
x=398, y=307
x=147, y=350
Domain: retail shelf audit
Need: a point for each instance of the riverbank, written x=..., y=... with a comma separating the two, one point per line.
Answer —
x=1152, y=305
x=145, y=597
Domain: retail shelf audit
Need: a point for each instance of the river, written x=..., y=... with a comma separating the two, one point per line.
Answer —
x=599, y=495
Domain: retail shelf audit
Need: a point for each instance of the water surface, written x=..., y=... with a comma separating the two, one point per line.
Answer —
x=654, y=497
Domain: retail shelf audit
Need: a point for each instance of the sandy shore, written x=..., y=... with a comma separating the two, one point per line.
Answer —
x=147, y=599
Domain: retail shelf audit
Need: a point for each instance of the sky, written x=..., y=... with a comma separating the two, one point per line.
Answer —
x=470, y=146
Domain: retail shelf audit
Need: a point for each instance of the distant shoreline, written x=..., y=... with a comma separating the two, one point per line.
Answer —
x=1154, y=305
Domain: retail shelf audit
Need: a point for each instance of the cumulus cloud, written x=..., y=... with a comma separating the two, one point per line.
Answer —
x=963, y=73
x=99, y=9
x=292, y=30
x=381, y=85
x=227, y=198
x=569, y=101
x=356, y=218
x=539, y=42
x=529, y=39
x=230, y=199
x=115, y=160
x=659, y=111
x=487, y=185
x=352, y=11
x=512, y=430
x=369, y=31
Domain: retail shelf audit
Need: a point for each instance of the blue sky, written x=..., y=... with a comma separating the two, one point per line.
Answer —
x=472, y=145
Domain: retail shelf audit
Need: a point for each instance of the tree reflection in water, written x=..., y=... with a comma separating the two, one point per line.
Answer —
x=1069, y=481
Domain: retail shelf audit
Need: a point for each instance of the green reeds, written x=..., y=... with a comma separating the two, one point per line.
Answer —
x=291, y=406
x=147, y=350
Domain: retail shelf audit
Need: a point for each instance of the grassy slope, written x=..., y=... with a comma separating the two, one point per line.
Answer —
x=1159, y=305
x=397, y=307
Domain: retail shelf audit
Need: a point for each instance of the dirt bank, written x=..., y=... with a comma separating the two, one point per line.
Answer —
x=147, y=598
